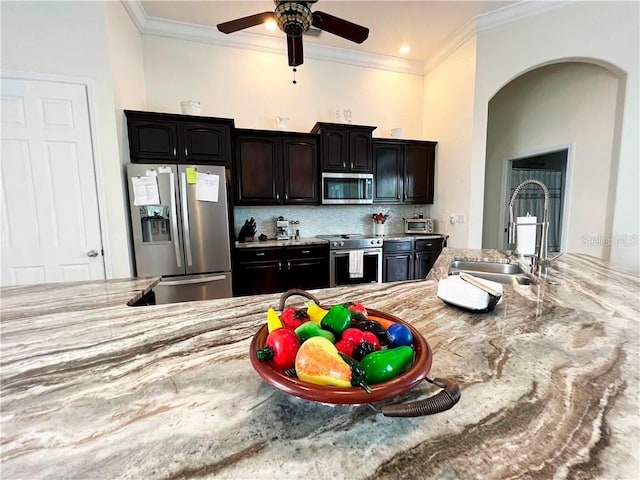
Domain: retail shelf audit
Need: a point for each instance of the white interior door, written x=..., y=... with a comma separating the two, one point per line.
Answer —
x=50, y=219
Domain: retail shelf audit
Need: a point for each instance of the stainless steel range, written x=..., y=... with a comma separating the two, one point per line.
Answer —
x=354, y=258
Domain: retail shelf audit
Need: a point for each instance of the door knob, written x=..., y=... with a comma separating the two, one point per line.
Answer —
x=92, y=253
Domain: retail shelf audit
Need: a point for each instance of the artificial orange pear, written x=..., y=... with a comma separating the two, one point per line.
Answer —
x=319, y=362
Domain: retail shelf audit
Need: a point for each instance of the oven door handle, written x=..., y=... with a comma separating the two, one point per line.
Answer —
x=371, y=251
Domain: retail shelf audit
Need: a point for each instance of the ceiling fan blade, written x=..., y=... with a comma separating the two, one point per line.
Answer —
x=245, y=22
x=294, y=49
x=338, y=26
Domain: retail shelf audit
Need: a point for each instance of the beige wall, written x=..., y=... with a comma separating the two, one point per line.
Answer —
x=567, y=104
x=67, y=41
x=253, y=87
x=599, y=32
x=448, y=113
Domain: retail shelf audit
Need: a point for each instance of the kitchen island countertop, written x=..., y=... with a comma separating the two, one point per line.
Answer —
x=93, y=388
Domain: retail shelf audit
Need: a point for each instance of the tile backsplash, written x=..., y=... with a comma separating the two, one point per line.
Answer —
x=328, y=219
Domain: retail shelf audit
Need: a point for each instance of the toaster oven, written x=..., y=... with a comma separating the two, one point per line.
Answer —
x=419, y=225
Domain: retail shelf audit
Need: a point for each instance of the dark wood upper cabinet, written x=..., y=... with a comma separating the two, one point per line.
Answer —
x=206, y=143
x=300, y=169
x=387, y=172
x=418, y=177
x=345, y=147
x=153, y=139
x=404, y=171
x=272, y=168
x=163, y=137
x=257, y=170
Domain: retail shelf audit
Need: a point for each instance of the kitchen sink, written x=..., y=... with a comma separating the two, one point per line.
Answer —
x=508, y=273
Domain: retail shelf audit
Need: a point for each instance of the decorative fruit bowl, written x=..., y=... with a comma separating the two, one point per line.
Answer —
x=415, y=373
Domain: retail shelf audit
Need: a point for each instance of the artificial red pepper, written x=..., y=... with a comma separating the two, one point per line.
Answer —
x=353, y=337
x=293, y=317
x=346, y=347
x=281, y=347
x=356, y=336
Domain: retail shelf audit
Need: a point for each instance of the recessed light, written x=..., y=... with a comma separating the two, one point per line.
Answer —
x=404, y=49
x=270, y=25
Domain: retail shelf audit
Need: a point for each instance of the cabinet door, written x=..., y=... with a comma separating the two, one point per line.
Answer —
x=300, y=157
x=253, y=278
x=206, y=143
x=306, y=274
x=360, y=159
x=152, y=140
x=335, y=150
x=397, y=267
x=419, y=163
x=387, y=169
x=306, y=267
x=258, y=171
x=423, y=263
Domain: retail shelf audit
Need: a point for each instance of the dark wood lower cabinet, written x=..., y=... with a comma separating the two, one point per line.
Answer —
x=277, y=269
x=397, y=267
x=409, y=259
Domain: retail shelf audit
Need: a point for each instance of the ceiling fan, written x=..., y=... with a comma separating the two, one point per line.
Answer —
x=296, y=18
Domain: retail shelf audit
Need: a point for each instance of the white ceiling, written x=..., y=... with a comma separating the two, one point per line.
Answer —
x=427, y=26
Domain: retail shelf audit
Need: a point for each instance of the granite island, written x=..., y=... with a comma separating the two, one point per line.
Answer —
x=95, y=389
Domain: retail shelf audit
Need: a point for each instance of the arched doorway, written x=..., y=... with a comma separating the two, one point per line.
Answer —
x=568, y=105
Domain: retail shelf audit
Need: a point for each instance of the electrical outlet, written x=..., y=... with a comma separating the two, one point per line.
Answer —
x=456, y=218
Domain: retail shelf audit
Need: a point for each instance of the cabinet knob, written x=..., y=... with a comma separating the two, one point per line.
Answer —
x=260, y=254
x=175, y=152
x=186, y=154
x=288, y=265
x=279, y=265
x=277, y=196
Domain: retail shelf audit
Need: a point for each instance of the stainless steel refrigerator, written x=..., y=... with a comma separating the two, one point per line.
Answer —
x=180, y=227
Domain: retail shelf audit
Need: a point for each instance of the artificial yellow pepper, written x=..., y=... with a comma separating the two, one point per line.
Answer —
x=319, y=362
x=315, y=312
x=273, y=320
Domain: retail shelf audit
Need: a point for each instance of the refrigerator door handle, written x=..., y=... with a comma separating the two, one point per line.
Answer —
x=174, y=219
x=213, y=278
x=185, y=219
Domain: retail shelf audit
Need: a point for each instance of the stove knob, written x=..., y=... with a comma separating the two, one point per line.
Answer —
x=342, y=244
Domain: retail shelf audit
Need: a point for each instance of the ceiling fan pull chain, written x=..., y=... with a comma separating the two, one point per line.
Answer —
x=294, y=75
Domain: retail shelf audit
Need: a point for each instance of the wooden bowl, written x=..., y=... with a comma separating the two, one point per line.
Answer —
x=354, y=395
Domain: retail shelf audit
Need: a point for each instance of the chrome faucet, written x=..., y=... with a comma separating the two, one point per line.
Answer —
x=542, y=254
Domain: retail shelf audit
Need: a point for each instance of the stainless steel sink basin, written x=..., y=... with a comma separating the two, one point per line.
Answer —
x=498, y=272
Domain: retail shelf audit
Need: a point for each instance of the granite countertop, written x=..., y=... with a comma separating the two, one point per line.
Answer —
x=407, y=236
x=321, y=241
x=92, y=388
x=281, y=243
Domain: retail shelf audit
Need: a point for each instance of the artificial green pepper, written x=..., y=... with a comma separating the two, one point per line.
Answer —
x=337, y=319
x=386, y=364
x=312, y=329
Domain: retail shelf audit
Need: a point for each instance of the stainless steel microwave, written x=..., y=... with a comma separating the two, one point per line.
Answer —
x=347, y=188
x=418, y=225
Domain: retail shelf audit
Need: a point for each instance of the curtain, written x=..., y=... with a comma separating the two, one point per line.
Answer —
x=531, y=200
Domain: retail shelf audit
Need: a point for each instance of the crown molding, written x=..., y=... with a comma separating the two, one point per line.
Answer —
x=489, y=20
x=148, y=25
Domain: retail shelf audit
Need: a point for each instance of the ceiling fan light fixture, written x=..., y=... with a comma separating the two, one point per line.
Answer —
x=293, y=18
